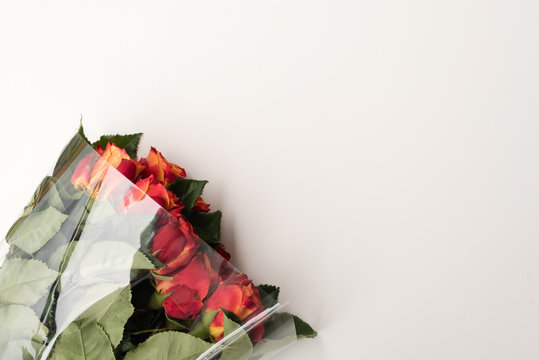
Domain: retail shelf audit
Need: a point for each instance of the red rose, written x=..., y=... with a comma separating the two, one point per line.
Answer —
x=239, y=296
x=163, y=171
x=174, y=243
x=188, y=288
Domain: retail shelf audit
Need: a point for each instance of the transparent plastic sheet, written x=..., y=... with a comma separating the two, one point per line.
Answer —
x=77, y=258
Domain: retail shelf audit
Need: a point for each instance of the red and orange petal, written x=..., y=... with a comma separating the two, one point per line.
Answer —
x=177, y=171
x=117, y=158
x=114, y=154
x=252, y=304
x=81, y=175
x=160, y=168
x=217, y=326
x=99, y=149
x=188, y=287
x=217, y=329
x=128, y=168
x=174, y=244
x=228, y=297
x=238, y=295
x=153, y=189
x=256, y=333
x=175, y=213
x=215, y=278
x=194, y=276
x=201, y=206
x=183, y=303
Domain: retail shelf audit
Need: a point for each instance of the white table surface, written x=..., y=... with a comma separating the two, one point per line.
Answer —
x=379, y=160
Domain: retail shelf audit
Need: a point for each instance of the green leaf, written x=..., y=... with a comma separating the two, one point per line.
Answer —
x=269, y=295
x=201, y=326
x=101, y=210
x=36, y=229
x=146, y=238
x=81, y=132
x=207, y=226
x=52, y=197
x=24, y=281
x=83, y=341
x=72, y=149
x=47, y=191
x=58, y=260
x=188, y=191
x=162, y=277
x=67, y=192
x=128, y=142
x=238, y=344
x=173, y=324
x=169, y=346
x=55, y=200
x=13, y=229
x=303, y=330
x=156, y=300
x=126, y=346
x=20, y=329
x=141, y=261
x=104, y=260
x=111, y=313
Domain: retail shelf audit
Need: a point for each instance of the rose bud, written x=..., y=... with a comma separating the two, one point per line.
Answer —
x=239, y=296
x=188, y=288
x=201, y=206
x=160, y=168
x=81, y=175
x=153, y=189
x=174, y=243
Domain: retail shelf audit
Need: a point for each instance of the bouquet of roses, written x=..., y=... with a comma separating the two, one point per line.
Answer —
x=116, y=258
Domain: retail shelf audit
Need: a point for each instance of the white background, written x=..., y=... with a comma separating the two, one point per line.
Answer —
x=378, y=160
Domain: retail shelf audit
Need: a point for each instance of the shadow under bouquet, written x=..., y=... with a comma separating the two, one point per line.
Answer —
x=118, y=258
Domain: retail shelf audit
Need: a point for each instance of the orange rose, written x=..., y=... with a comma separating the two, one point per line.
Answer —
x=93, y=175
x=160, y=168
x=153, y=189
x=174, y=243
x=188, y=288
x=239, y=296
x=118, y=158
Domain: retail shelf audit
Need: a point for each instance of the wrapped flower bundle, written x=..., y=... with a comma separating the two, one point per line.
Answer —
x=118, y=258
